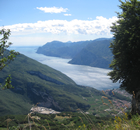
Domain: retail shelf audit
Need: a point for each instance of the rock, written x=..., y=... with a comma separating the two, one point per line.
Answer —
x=44, y=77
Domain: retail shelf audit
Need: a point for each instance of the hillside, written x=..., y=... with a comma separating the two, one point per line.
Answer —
x=95, y=54
x=38, y=84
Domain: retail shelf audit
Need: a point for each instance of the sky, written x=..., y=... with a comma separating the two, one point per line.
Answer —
x=36, y=22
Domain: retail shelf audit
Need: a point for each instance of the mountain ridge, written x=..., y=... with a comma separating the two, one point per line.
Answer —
x=95, y=53
x=36, y=83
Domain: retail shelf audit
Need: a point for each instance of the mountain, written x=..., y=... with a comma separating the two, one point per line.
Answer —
x=95, y=54
x=61, y=49
x=101, y=39
x=36, y=84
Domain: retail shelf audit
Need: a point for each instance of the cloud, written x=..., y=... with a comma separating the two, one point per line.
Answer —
x=67, y=14
x=52, y=9
x=99, y=26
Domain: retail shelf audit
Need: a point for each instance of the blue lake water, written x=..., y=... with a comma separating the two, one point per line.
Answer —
x=82, y=75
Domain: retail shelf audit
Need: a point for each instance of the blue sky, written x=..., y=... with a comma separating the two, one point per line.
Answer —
x=36, y=22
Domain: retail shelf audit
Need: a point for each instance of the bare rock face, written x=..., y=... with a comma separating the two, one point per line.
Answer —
x=136, y=103
x=44, y=77
x=43, y=99
x=39, y=96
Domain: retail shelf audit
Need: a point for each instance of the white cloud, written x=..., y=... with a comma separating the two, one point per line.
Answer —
x=67, y=14
x=99, y=26
x=52, y=9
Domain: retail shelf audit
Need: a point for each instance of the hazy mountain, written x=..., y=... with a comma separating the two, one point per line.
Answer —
x=95, y=54
x=61, y=49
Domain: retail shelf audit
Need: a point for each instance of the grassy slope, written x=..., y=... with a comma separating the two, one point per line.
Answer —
x=21, y=97
x=71, y=121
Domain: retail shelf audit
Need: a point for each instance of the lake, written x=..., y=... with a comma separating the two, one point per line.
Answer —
x=82, y=75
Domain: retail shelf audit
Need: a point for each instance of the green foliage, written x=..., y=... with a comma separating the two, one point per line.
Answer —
x=125, y=47
x=69, y=120
x=5, y=56
x=124, y=122
x=62, y=121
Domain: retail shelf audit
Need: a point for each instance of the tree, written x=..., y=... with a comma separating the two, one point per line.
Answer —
x=126, y=51
x=6, y=56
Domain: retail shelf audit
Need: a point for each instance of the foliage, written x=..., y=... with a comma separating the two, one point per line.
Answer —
x=5, y=56
x=126, y=45
x=62, y=121
x=124, y=122
x=69, y=120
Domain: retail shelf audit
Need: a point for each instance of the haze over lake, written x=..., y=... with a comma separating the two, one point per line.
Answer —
x=82, y=75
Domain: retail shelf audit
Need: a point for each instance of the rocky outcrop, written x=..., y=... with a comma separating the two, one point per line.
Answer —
x=43, y=110
x=42, y=98
x=44, y=77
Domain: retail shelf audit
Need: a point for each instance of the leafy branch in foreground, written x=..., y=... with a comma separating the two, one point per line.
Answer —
x=6, y=56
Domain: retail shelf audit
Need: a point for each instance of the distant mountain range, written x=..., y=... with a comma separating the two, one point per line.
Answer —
x=60, y=49
x=95, y=53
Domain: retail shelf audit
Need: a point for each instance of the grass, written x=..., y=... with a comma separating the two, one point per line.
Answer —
x=72, y=121
x=3, y=128
x=122, y=123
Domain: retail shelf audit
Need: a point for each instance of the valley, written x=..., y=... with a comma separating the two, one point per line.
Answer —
x=40, y=89
x=70, y=65
x=91, y=76
x=36, y=83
